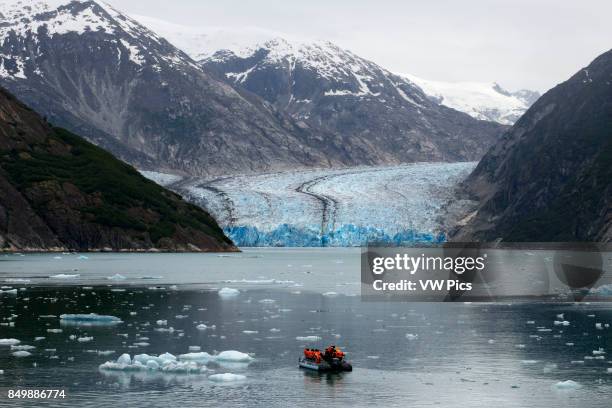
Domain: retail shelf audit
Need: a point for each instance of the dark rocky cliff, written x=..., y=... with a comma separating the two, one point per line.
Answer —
x=59, y=192
x=550, y=177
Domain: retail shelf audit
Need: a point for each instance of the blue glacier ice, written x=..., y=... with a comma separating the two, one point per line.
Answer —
x=356, y=206
x=347, y=235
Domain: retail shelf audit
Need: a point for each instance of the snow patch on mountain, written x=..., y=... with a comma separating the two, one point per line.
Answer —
x=481, y=100
x=24, y=20
x=484, y=101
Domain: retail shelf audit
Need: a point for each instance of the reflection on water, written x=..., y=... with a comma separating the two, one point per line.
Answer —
x=448, y=355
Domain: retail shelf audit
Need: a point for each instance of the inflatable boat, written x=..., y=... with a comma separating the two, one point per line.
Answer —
x=332, y=360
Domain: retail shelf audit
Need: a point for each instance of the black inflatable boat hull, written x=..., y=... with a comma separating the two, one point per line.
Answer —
x=324, y=366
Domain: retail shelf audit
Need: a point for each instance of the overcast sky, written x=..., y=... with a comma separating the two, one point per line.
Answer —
x=531, y=44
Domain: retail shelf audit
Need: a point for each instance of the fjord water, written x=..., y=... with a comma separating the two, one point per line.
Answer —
x=427, y=354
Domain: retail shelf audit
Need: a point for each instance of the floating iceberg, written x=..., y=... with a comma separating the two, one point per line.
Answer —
x=143, y=362
x=22, y=347
x=567, y=385
x=91, y=319
x=200, y=356
x=230, y=356
x=226, y=377
x=233, y=356
x=228, y=292
x=308, y=338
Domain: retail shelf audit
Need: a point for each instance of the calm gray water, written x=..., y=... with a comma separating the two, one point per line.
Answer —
x=443, y=355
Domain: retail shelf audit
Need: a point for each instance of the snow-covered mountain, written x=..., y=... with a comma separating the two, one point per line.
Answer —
x=481, y=100
x=328, y=88
x=91, y=69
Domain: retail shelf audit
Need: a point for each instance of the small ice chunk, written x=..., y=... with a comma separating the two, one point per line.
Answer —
x=9, y=342
x=22, y=353
x=117, y=277
x=54, y=330
x=274, y=330
x=598, y=326
x=162, y=322
x=567, y=385
x=201, y=356
x=267, y=301
x=124, y=359
x=65, y=276
x=84, y=339
x=561, y=323
x=227, y=377
x=308, y=338
x=234, y=356
x=411, y=336
x=39, y=338
x=22, y=347
x=195, y=348
x=250, y=331
x=202, y=326
x=330, y=294
x=228, y=292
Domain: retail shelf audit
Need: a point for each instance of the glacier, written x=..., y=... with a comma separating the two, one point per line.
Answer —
x=349, y=207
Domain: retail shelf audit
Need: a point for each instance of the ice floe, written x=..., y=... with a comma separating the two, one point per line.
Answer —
x=143, y=362
x=231, y=356
x=22, y=347
x=228, y=292
x=54, y=331
x=226, y=377
x=308, y=338
x=90, y=319
x=567, y=385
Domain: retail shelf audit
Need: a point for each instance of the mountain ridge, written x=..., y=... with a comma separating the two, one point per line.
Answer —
x=61, y=193
x=548, y=178
x=482, y=101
